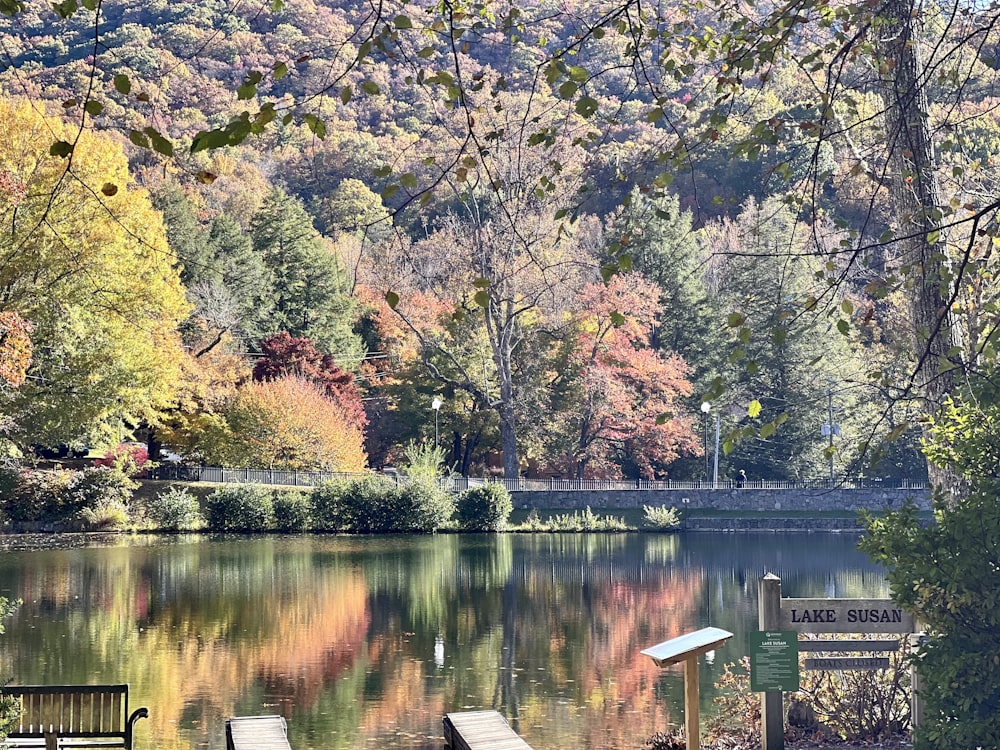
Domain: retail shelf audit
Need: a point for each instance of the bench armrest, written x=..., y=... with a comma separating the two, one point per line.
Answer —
x=139, y=713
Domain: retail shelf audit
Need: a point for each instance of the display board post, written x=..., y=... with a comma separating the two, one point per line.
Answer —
x=769, y=618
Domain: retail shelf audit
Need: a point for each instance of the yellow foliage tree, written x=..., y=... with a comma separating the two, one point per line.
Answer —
x=286, y=423
x=84, y=258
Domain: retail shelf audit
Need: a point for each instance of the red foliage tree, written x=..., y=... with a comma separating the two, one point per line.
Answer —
x=285, y=354
x=630, y=409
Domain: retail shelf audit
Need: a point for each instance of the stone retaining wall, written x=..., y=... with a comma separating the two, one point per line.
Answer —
x=728, y=499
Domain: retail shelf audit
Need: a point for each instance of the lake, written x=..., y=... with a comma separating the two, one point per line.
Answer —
x=368, y=641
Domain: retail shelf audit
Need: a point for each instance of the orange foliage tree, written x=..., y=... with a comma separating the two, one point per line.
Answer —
x=620, y=398
x=286, y=423
x=15, y=348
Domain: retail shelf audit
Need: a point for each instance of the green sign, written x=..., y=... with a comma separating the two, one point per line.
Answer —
x=774, y=661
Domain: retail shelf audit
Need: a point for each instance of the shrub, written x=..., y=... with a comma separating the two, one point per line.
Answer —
x=328, y=506
x=106, y=515
x=424, y=460
x=421, y=505
x=377, y=505
x=857, y=706
x=240, y=507
x=96, y=496
x=130, y=458
x=292, y=511
x=661, y=518
x=585, y=520
x=175, y=509
x=945, y=575
x=485, y=508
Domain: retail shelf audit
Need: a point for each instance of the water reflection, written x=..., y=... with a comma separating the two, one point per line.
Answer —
x=369, y=641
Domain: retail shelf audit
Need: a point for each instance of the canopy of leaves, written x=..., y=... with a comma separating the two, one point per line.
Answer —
x=287, y=423
x=88, y=266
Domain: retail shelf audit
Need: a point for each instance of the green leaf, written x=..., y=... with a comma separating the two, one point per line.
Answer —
x=160, y=144
x=65, y=9
x=122, y=84
x=568, y=90
x=586, y=106
x=481, y=283
x=370, y=87
x=93, y=108
x=142, y=141
x=280, y=70
x=843, y=326
x=345, y=94
x=735, y=320
x=402, y=22
x=316, y=126
x=617, y=319
x=248, y=90
x=754, y=409
x=482, y=298
x=408, y=180
x=61, y=148
x=767, y=430
x=391, y=299
x=608, y=270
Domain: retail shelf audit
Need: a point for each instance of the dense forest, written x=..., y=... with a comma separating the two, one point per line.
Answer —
x=277, y=235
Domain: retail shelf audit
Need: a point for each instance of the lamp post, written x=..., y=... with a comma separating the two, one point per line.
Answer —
x=705, y=409
x=436, y=406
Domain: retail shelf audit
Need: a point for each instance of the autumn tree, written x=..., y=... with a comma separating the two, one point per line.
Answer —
x=285, y=355
x=619, y=401
x=502, y=260
x=286, y=423
x=85, y=260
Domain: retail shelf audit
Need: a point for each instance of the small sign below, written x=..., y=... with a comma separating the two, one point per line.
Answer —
x=848, y=663
x=774, y=661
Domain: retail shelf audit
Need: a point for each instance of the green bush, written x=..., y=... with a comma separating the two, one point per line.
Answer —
x=585, y=520
x=328, y=506
x=945, y=574
x=292, y=512
x=96, y=497
x=485, y=508
x=661, y=518
x=175, y=509
x=378, y=505
x=240, y=507
x=421, y=505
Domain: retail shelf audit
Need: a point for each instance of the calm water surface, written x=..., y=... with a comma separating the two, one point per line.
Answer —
x=367, y=641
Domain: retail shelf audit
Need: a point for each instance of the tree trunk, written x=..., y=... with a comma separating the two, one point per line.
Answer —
x=916, y=202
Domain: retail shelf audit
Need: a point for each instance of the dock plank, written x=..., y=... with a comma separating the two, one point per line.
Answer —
x=481, y=730
x=257, y=733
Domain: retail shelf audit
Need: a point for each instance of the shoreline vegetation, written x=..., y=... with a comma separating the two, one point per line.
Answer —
x=105, y=498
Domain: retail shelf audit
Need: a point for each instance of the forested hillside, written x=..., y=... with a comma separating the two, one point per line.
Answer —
x=553, y=230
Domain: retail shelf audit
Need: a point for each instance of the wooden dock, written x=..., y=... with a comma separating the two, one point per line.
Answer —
x=481, y=730
x=257, y=733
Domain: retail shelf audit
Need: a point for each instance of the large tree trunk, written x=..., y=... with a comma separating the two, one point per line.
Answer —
x=916, y=202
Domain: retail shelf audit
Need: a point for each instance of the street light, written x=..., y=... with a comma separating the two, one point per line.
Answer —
x=436, y=406
x=705, y=409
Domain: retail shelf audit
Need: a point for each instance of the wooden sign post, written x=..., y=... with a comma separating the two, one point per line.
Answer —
x=825, y=616
x=687, y=649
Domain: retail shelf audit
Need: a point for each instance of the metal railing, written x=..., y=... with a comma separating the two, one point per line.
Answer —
x=293, y=478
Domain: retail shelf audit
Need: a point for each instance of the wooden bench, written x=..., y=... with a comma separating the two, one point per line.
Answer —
x=481, y=730
x=56, y=716
x=257, y=733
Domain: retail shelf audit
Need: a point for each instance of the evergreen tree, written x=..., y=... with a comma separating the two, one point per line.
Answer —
x=310, y=290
